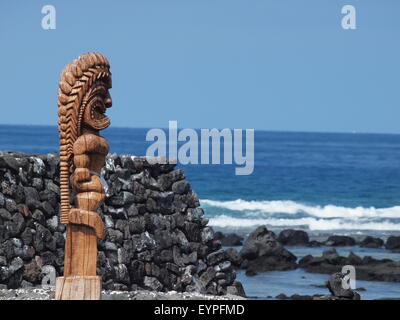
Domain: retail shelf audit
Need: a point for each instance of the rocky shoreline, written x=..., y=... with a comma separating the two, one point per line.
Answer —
x=367, y=267
x=264, y=251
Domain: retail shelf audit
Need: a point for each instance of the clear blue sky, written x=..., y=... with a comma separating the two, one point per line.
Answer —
x=263, y=64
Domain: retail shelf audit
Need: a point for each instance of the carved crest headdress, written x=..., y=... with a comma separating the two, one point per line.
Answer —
x=76, y=84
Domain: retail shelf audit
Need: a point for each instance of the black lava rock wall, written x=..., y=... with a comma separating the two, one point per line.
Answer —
x=156, y=235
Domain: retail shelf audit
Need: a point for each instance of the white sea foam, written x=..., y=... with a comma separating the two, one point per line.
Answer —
x=329, y=217
x=254, y=208
x=225, y=221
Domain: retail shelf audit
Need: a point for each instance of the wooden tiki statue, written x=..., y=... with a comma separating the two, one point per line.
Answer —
x=83, y=97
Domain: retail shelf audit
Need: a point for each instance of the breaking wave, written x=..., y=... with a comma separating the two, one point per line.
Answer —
x=286, y=213
x=224, y=221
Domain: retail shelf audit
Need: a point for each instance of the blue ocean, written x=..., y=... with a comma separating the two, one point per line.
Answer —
x=324, y=183
x=314, y=181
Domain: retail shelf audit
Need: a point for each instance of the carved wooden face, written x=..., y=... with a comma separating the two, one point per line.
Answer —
x=98, y=100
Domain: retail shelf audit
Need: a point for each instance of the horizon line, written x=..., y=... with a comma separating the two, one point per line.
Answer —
x=263, y=130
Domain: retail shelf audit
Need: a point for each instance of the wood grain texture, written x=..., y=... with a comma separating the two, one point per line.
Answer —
x=77, y=82
x=83, y=99
x=78, y=288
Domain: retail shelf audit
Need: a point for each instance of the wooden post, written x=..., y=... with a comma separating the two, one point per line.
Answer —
x=83, y=97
